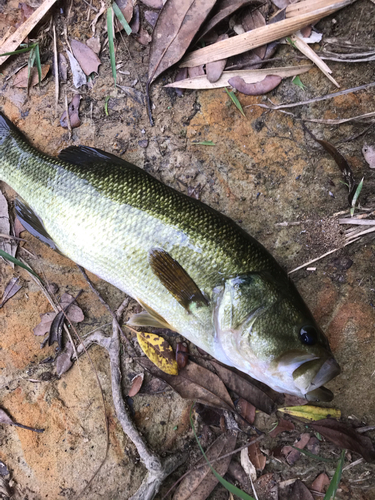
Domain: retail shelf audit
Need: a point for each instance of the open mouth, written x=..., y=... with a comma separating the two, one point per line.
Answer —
x=312, y=375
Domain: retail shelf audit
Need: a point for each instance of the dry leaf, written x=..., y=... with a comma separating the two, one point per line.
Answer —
x=136, y=21
x=21, y=78
x=10, y=290
x=313, y=445
x=256, y=456
x=282, y=426
x=151, y=17
x=134, y=94
x=222, y=10
x=300, y=492
x=144, y=37
x=344, y=436
x=154, y=4
x=291, y=454
x=94, y=44
x=18, y=228
x=248, y=75
x=195, y=382
x=215, y=69
x=311, y=412
x=369, y=154
x=319, y=484
x=266, y=85
x=247, y=465
x=126, y=7
x=79, y=77
x=200, y=482
x=74, y=313
x=196, y=71
x=85, y=56
x=245, y=389
x=64, y=361
x=45, y=323
x=158, y=351
x=247, y=411
x=182, y=355
x=5, y=418
x=176, y=27
x=73, y=110
x=251, y=20
x=136, y=384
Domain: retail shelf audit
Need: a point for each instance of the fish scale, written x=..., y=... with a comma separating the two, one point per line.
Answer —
x=110, y=217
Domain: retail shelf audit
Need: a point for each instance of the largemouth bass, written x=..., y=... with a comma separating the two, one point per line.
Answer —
x=191, y=268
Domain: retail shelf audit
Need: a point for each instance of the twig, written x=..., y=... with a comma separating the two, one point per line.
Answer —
x=316, y=99
x=16, y=424
x=56, y=67
x=358, y=222
x=68, y=117
x=10, y=237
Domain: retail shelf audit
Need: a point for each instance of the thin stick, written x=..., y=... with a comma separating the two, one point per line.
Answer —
x=316, y=99
x=68, y=117
x=15, y=39
x=9, y=237
x=358, y=222
x=56, y=66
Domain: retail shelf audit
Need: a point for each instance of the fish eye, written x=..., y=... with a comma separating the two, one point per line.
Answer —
x=308, y=335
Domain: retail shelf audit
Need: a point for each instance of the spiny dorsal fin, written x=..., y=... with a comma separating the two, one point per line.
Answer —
x=84, y=155
x=162, y=323
x=175, y=279
x=32, y=223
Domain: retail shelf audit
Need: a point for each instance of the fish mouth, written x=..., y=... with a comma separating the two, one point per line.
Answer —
x=310, y=376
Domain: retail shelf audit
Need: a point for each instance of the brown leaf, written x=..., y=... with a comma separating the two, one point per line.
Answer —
x=10, y=290
x=238, y=474
x=194, y=382
x=291, y=454
x=199, y=483
x=94, y=44
x=136, y=385
x=73, y=113
x=18, y=228
x=369, y=154
x=85, y=56
x=196, y=71
x=126, y=7
x=319, y=484
x=251, y=20
x=256, y=456
x=151, y=17
x=344, y=436
x=300, y=492
x=290, y=400
x=74, y=313
x=182, y=355
x=215, y=69
x=266, y=85
x=176, y=27
x=144, y=37
x=136, y=21
x=247, y=411
x=313, y=445
x=282, y=426
x=64, y=361
x=21, y=78
x=5, y=418
x=244, y=388
x=154, y=4
x=266, y=487
x=79, y=77
x=45, y=323
x=222, y=10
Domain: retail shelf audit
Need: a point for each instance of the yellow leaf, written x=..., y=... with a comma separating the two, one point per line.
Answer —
x=158, y=351
x=311, y=412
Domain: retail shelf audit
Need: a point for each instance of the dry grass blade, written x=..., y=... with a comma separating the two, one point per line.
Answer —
x=248, y=75
x=266, y=34
x=308, y=52
x=21, y=33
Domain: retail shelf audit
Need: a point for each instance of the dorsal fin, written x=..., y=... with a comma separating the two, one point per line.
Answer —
x=84, y=155
x=175, y=279
x=32, y=223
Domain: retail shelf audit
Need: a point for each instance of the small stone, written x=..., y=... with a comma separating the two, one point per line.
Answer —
x=143, y=143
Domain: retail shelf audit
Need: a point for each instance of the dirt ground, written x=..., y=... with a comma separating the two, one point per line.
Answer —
x=263, y=170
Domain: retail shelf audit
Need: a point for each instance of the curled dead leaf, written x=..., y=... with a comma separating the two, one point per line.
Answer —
x=73, y=110
x=291, y=454
x=256, y=456
x=266, y=85
x=21, y=78
x=282, y=426
x=136, y=384
x=158, y=351
x=182, y=355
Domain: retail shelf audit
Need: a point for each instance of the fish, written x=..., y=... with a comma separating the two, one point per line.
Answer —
x=191, y=268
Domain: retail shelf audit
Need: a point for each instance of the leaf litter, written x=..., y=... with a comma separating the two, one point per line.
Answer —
x=10, y=290
x=8, y=246
x=85, y=56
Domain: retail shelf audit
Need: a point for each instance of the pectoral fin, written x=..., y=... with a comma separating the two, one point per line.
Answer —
x=175, y=279
x=32, y=223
